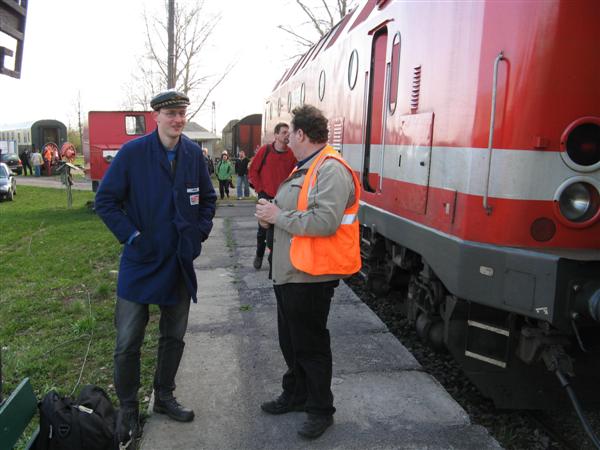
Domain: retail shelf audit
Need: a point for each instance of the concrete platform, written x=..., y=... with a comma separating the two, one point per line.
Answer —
x=232, y=363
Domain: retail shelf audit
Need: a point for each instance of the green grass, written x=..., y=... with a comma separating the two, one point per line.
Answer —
x=57, y=294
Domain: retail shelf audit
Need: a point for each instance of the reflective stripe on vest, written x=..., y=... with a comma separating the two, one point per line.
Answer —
x=339, y=253
x=348, y=219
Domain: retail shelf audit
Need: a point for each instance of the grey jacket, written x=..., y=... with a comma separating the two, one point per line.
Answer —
x=333, y=192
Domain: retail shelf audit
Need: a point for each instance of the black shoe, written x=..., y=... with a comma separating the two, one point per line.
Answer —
x=128, y=425
x=173, y=409
x=280, y=406
x=257, y=262
x=315, y=426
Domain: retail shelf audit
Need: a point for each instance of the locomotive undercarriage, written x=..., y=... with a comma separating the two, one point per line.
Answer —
x=512, y=359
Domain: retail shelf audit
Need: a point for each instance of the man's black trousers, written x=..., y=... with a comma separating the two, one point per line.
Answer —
x=264, y=236
x=302, y=311
x=130, y=321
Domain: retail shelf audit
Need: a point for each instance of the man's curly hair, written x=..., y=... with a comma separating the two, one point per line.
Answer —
x=312, y=122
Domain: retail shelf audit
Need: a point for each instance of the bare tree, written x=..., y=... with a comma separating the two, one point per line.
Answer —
x=193, y=29
x=321, y=16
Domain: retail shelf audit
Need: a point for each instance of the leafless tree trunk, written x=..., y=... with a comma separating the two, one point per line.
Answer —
x=193, y=29
x=321, y=15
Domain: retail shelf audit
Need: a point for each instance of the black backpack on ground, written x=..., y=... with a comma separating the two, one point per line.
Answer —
x=85, y=424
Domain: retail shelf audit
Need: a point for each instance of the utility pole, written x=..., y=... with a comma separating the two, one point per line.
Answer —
x=214, y=118
x=171, y=46
x=79, y=121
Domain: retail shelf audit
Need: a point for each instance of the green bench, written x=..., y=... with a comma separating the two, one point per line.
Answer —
x=15, y=414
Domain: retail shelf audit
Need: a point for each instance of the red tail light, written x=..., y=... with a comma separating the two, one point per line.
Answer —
x=581, y=143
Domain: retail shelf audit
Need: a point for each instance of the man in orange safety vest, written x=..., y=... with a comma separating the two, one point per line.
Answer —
x=316, y=242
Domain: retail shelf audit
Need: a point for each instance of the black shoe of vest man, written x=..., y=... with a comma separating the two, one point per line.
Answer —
x=128, y=425
x=172, y=408
x=257, y=262
x=315, y=426
x=280, y=406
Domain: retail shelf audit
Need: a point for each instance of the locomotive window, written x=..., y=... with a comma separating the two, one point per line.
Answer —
x=353, y=69
x=290, y=101
x=279, y=106
x=302, y=94
x=395, y=74
x=135, y=125
x=270, y=110
x=322, y=85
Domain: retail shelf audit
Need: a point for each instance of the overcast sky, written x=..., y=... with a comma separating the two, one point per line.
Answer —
x=91, y=47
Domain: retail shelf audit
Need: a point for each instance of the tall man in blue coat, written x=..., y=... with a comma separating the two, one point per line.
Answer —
x=159, y=202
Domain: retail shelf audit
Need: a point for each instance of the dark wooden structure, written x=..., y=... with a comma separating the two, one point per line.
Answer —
x=13, y=14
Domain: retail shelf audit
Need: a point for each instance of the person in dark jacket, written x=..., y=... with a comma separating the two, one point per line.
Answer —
x=209, y=163
x=159, y=202
x=241, y=170
x=24, y=157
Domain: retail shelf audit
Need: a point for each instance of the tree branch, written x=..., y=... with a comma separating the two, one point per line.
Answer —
x=299, y=39
x=311, y=16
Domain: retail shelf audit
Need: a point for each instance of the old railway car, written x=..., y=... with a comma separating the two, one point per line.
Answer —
x=475, y=129
x=246, y=135
x=106, y=132
x=35, y=134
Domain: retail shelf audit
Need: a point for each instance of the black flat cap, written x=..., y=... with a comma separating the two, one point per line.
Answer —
x=169, y=99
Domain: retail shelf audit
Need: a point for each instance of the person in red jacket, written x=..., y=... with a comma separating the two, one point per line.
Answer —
x=271, y=165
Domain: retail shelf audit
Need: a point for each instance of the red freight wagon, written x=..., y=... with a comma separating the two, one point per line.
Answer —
x=246, y=135
x=106, y=132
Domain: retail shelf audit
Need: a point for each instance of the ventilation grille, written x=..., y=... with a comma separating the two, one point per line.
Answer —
x=336, y=133
x=416, y=89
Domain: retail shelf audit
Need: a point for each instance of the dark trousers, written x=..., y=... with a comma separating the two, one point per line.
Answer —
x=264, y=236
x=26, y=166
x=130, y=321
x=264, y=239
x=224, y=188
x=302, y=311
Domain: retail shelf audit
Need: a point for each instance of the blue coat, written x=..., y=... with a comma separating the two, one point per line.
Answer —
x=173, y=216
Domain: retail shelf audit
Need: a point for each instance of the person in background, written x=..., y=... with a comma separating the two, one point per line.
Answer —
x=209, y=163
x=224, y=174
x=48, y=155
x=270, y=166
x=37, y=161
x=25, y=156
x=316, y=243
x=241, y=170
x=158, y=200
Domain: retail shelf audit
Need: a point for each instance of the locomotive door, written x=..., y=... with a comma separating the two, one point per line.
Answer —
x=375, y=93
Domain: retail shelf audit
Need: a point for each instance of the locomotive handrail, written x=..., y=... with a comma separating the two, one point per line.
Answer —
x=384, y=123
x=487, y=207
x=364, y=128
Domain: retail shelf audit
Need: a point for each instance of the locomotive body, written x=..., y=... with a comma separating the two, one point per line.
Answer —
x=475, y=130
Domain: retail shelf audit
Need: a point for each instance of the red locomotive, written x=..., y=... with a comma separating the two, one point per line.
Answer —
x=106, y=132
x=475, y=129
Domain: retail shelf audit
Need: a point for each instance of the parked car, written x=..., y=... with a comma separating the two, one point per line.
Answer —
x=8, y=183
x=12, y=161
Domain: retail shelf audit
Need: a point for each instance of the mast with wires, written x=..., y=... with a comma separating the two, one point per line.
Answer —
x=214, y=118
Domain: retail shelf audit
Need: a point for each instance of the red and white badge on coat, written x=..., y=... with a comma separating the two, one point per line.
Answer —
x=194, y=199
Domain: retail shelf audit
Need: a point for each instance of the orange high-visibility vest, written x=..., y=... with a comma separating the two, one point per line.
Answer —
x=338, y=254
